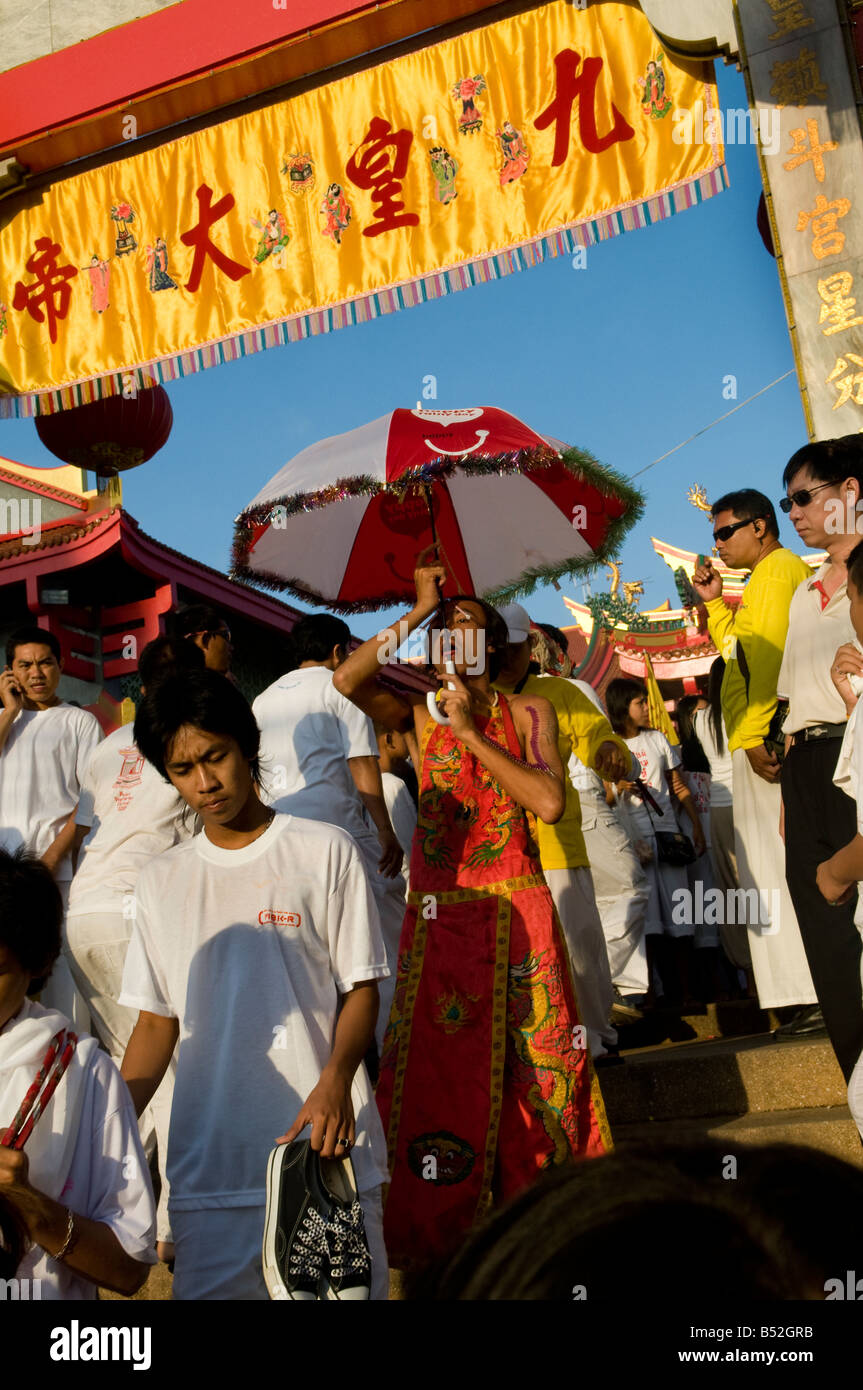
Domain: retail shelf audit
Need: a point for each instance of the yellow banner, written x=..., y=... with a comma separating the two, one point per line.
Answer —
x=536, y=135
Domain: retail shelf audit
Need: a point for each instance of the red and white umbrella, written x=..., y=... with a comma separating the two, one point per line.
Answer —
x=343, y=523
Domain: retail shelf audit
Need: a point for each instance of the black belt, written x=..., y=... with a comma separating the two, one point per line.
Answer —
x=815, y=732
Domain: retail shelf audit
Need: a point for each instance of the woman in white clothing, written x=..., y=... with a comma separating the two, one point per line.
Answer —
x=626, y=699
x=710, y=729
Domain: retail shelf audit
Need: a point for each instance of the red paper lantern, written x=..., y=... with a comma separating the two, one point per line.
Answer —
x=112, y=435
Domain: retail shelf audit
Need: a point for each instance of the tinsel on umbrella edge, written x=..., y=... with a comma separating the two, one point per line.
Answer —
x=606, y=480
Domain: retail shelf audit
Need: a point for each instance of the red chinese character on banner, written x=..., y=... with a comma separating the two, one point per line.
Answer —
x=569, y=84
x=50, y=288
x=199, y=237
x=371, y=166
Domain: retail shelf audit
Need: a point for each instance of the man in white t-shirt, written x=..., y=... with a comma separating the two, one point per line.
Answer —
x=80, y=1184
x=319, y=760
x=270, y=986
x=402, y=807
x=45, y=746
x=127, y=814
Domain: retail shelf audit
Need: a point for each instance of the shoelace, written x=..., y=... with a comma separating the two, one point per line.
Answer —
x=345, y=1230
x=310, y=1246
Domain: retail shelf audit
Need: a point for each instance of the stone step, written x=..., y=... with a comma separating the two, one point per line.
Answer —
x=829, y=1128
x=736, y=1076
x=734, y=1019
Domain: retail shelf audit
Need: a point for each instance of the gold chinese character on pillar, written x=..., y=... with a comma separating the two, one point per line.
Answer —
x=827, y=240
x=815, y=150
x=848, y=382
x=789, y=16
x=839, y=304
x=798, y=81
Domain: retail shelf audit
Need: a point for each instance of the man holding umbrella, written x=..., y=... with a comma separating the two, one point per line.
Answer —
x=485, y=1075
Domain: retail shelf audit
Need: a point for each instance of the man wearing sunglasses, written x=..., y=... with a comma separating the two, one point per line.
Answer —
x=824, y=484
x=751, y=638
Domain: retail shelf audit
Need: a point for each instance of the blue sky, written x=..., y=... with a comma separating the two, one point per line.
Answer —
x=625, y=358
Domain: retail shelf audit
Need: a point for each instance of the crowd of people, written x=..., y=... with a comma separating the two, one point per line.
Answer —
x=353, y=959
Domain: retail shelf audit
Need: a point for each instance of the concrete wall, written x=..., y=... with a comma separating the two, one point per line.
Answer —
x=34, y=28
x=694, y=28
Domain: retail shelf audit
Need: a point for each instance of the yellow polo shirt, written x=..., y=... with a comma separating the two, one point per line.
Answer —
x=760, y=623
x=581, y=730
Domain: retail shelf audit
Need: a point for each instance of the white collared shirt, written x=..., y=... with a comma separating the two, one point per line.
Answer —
x=814, y=635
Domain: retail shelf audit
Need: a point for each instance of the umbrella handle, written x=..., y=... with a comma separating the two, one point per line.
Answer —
x=431, y=698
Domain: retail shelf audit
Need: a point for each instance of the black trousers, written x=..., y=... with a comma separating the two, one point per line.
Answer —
x=819, y=820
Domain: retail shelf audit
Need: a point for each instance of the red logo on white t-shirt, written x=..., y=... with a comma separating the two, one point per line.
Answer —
x=270, y=915
x=129, y=776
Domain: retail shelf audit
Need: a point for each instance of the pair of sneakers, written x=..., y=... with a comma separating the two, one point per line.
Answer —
x=315, y=1245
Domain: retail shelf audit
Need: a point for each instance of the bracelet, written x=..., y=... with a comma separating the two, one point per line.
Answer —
x=72, y=1237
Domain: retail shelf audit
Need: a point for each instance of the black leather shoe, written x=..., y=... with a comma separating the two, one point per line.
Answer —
x=808, y=1023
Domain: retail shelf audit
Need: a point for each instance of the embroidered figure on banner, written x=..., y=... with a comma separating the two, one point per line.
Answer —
x=300, y=171
x=50, y=289
x=464, y=91
x=372, y=167
x=336, y=213
x=99, y=274
x=274, y=237
x=157, y=267
x=655, y=101
x=4, y=326
x=124, y=241
x=444, y=169
x=516, y=155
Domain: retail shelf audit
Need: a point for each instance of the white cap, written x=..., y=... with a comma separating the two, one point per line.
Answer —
x=517, y=622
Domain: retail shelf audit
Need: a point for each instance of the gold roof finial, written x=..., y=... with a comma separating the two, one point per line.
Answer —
x=697, y=495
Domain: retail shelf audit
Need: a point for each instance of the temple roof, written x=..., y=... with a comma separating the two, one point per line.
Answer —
x=676, y=639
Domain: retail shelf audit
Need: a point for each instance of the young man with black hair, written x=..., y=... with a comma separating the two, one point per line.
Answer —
x=207, y=629
x=824, y=487
x=126, y=815
x=320, y=760
x=257, y=944
x=751, y=639
x=81, y=1185
x=45, y=746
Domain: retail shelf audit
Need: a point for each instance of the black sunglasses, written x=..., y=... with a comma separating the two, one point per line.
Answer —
x=802, y=497
x=726, y=532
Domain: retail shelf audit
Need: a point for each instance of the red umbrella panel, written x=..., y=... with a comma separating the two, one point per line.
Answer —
x=344, y=522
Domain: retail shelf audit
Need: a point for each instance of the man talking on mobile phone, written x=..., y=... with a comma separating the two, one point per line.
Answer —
x=45, y=747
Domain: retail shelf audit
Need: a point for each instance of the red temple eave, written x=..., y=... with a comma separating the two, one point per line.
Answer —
x=75, y=544
x=670, y=666
x=62, y=547
x=161, y=562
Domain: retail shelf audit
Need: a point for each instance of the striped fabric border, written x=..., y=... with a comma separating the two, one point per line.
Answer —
x=565, y=241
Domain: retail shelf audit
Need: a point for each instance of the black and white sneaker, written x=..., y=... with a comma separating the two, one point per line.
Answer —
x=350, y=1272
x=295, y=1250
